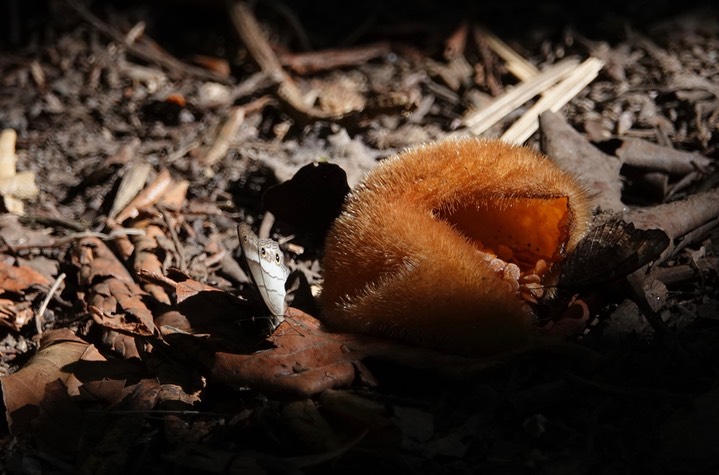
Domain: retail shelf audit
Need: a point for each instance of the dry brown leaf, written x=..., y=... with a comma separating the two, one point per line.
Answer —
x=95, y=260
x=110, y=292
x=123, y=344
x=110, y=390
x=184, y=289
x=15, y=315
x=355, y=411
x=133, y=180
x=305, y=360
x=173, y=393
x=204, y=310
x=147, y=197
x=146, y=259
x=303, y=420
x=113, y=300
x=175, y=196
x=121, y=244
x=698, y=212
x=26, y=391
x=17, y=279
x=14, y=234
x=224, y=138
x=47, y=395
x=114, y=437
x=190, y=288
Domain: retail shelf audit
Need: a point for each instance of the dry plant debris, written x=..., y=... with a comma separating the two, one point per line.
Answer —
x=133, y=340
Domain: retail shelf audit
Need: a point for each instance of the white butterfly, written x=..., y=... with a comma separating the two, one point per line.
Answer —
x=267, y=268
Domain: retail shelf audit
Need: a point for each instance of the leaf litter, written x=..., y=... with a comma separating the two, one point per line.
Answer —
x=154, y=352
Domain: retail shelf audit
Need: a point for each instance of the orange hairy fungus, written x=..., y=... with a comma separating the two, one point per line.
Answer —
x=448, y=244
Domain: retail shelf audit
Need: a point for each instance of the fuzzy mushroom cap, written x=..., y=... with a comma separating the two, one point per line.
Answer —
x=440, y=244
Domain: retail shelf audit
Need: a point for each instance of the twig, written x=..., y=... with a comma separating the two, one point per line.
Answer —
x=553, y=100
x=680, y=218
x=118, y=233
x=268, y=220
x=294, y=22
x=252, y=85
x=457, y=41
x=491, y=76
x=482, y=120
x=317, y=61
x=249, y=31
x=642, y=154
x=181, y=261
x=696, y=235
x=674, y=274
x=39, y=316
x=147, y=54
x=52, y=221
x=516, y=64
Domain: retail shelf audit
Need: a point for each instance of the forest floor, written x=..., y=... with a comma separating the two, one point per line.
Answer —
x=144, y=134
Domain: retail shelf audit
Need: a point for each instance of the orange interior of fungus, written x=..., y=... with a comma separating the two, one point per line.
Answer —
x=518, y=230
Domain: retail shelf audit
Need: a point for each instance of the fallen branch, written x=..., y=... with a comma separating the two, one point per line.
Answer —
x=597, y=170
x=680, y=218
x=642, y=154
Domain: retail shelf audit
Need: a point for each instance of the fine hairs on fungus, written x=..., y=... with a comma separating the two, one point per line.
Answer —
x=446, y=245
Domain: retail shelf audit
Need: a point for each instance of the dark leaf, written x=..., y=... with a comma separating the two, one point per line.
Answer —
x=611, y=251
x=311, y=200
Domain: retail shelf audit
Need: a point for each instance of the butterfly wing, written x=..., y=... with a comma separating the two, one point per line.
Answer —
x=609, y=252
x=267, y=268
x=274, y=275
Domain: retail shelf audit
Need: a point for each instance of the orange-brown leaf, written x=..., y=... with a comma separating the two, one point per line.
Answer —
x=94, y=260
x=24, y=392
x=305, y=360
x=17, y=279
x=15, y=315
x=147, y=197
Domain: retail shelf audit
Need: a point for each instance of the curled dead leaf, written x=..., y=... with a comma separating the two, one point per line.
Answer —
x=148, y=196
x=112, y=296
x=19, y=278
